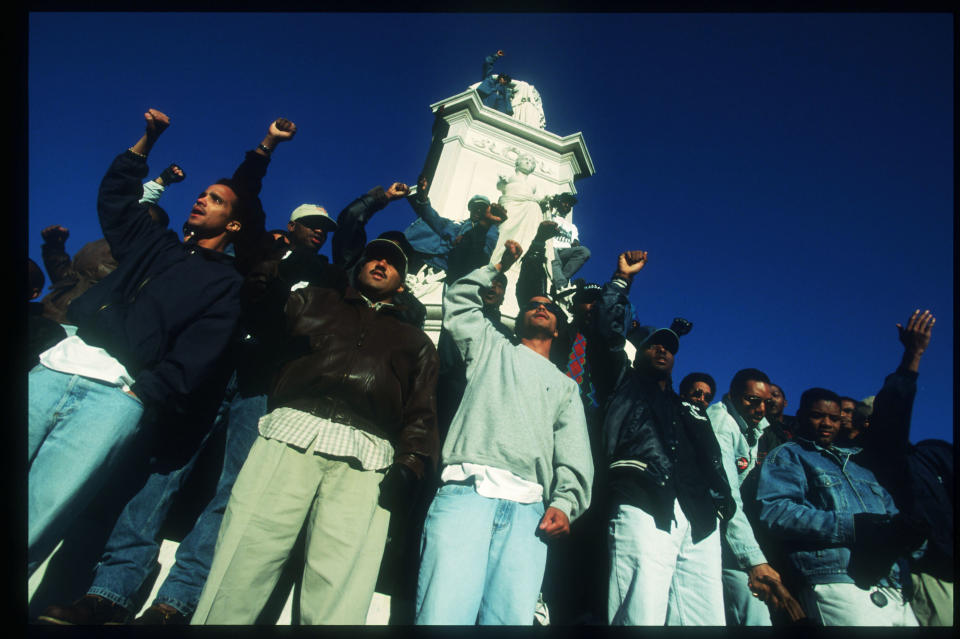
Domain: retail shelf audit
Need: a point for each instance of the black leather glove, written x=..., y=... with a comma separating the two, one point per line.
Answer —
x=397, y=489
x=169, y=177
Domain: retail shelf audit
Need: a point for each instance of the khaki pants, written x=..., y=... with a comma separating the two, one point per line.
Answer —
x=278, y=489
x=932, y=600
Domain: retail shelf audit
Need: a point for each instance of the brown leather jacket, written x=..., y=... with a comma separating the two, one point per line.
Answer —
x=363, y=368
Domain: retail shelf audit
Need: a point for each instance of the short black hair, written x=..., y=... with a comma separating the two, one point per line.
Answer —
x=687, y=382
x=248, y=211
x=739, y=382
x=499, y=277
x=844, y=398
x=814, y=395
x=780, y=388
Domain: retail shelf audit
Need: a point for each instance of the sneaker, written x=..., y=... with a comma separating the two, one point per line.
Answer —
x=88, y=610
x=161, y=615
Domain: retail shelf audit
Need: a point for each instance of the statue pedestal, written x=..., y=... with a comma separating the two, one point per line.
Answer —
x=472, y=147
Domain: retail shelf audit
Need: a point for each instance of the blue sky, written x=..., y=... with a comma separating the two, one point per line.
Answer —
x=791, y=175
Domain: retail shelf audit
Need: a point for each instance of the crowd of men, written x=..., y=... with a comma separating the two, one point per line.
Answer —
x=505, y=476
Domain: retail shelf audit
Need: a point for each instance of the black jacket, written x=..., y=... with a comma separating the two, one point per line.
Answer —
x=918, y=476
x=640, y=443
x=169, y=310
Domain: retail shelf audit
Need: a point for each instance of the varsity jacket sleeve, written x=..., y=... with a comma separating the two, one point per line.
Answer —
x=785, y=510
x=612, y=316
x=350, y=238
x=738, y=533
x=572, y=460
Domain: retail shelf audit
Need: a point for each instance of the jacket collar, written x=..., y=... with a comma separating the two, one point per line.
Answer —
x=356, y=297
x=222, y=257
x=741, y=422
x=839, y=451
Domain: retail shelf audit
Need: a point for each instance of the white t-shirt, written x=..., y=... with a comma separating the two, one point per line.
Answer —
x=566, y=232
x=73, y=356
x=495, y=483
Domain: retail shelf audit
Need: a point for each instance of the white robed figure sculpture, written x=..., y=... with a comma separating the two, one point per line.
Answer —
x=523, y=215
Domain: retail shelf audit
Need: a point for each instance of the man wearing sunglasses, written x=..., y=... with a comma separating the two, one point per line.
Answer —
x=698, y=388
x=516, y=464
x=738, y=421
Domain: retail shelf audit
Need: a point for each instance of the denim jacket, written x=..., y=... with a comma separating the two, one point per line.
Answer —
x=433, y=236
x=739, y=546
x=491, y=92
x=808, y=496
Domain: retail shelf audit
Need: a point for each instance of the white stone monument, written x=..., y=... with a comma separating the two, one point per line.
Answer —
x=475, y=151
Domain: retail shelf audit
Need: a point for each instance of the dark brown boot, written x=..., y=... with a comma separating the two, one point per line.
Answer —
x=161, y=615
x=88, y=610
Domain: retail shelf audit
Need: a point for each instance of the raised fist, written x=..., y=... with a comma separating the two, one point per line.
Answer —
x=500, y=53
x=631, y=262
x=511, y=253
x=171, y=175
x=282, y=130
x=546, y=230
x=397, y=190
x=55, y=234
x=157, y=123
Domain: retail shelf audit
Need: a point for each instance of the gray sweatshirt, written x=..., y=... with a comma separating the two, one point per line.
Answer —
x=519, y=412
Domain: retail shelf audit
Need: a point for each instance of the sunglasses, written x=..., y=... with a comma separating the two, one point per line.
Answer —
x=753, y=401
x=697, y=393
x=533, y=305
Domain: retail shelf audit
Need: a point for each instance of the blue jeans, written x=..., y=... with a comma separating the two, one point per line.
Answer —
x=567, y=262
x=481, y=560
x=131, y=551
x=78, y=429
x=741, y=607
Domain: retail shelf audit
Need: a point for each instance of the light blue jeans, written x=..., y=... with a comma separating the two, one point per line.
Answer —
x=741, y=607
x=78, y=429
x=662, y=578
x=849, y=605
x=481, y=560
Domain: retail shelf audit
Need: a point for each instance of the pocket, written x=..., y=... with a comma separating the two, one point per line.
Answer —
x=134, y=399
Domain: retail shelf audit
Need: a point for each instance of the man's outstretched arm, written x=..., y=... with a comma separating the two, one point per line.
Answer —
x=890, y=421
x=350, y=238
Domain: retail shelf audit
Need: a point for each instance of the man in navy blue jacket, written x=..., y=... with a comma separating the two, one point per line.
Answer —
x=150, y=341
